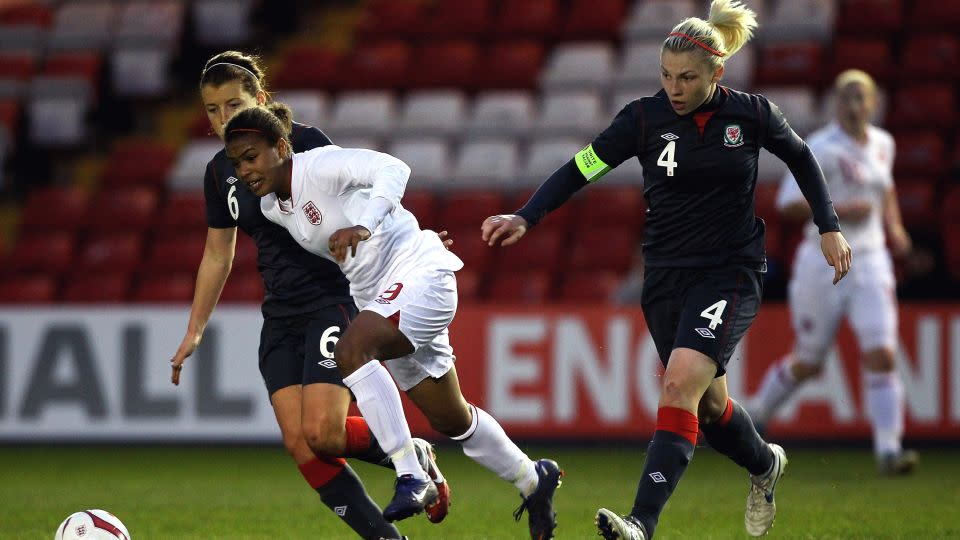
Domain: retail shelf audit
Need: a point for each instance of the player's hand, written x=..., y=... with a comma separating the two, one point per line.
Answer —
x=343, y=239
x=837, y=252
x=187, y=346
x=445, y=238
x=854, y=211
x=508, y=227
x=900, y=243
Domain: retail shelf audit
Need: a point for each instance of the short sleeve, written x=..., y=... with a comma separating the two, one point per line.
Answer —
x=218, y=215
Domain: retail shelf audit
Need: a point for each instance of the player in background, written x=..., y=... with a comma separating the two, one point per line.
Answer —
x=703, y=246
x=857, y=160
x=344, y=205
x=306, y=307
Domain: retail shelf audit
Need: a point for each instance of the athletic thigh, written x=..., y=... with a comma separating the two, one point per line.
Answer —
x=816, y=306
x=325, y=406
x=873, y=306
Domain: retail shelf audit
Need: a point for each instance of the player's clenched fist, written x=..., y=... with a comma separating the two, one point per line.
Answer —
x=347, y=238
x=506, y=227
x=837, y=252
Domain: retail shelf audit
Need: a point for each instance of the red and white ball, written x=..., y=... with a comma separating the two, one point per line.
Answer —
x=92, y=525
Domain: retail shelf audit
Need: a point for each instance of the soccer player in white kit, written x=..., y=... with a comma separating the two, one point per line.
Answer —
x=857, y=161
x=344, y=204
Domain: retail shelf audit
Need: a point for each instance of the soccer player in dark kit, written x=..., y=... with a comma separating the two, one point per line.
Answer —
x=306, y=308
x=698, y=143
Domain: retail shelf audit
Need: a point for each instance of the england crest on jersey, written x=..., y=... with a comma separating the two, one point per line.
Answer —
x=732, y=136
x=313, y=213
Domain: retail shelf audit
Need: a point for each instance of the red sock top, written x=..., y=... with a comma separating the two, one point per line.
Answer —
x=679, y=421
x=358, y=436
x=318, y=471
x=727, y=414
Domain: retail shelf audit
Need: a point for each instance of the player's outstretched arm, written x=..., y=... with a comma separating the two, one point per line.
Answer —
x=507, y=229
x=214, y=268
x=837, y=252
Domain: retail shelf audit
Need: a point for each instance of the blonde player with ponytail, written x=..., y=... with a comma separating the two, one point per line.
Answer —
x=698, y=143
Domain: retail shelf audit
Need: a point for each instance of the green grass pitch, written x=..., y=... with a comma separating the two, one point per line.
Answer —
x=256, y=493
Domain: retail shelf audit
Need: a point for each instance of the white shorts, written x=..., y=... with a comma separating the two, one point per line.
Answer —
x=866, y=297
x=423, y=307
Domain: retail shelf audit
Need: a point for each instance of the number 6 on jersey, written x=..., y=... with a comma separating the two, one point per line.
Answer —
x=713, y=313
x=666, y=157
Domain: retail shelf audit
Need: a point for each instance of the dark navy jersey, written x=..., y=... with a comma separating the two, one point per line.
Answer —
x=295, y=280
x=699, y=172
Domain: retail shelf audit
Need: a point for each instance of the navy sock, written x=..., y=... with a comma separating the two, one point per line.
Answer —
x=668, y=455
x=735, y=436
x=346, y=496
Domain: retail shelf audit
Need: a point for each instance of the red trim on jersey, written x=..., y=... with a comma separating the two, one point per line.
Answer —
x=701, y=118
x=101, y=523
x=358, y=436
x=727, y=414
x=699, y=43
x=320, y=470
x=679, y=421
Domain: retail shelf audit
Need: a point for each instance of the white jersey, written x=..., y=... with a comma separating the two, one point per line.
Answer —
x=854, y=172
x=333, y=188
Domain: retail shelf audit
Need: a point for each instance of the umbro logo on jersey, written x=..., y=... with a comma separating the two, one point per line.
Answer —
x=329, y=364
x=669, y=136
x=732, y=136
x=313, y=213
x=705, y=332
x=658, y=477
x=232, y=180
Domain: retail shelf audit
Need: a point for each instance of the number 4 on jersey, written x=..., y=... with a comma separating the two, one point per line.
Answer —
x=713, y=313
x=666, y=157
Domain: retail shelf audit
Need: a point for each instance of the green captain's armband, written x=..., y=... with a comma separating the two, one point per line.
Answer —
x=591, y=166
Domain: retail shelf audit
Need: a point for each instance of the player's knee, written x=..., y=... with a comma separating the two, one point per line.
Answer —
x=452, y=422
x=325, y=439
x=678, y=393
x=879, y=360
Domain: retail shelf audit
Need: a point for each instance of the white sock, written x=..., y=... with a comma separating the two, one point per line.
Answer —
x=487, y=444
x=777, y=386
x=379, y=401
x=885, y=408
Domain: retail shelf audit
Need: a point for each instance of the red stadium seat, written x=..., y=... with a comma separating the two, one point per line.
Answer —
x=166, y=287
x=934, y=15
x=101, y=287
x=10, y=117
x=603, y=248
x=243, y=287
x=917, y=204
x=27, y=14
x=619, y=206
x=540, y=251
x=589, y=287
x=472, y=250
x=558, y=220
x=870, y=55
x=914, y=106
x=423, y=204
x=184, y=210
x=245, y=256
x=797, y=63
x=377, y=65
x=390, y=19
x=138, y=160
x=593, y=19
x=461, y=19
x=112, y=251
x=453, y=64
x=928, y=57
x=919, y=154
x=469, y=284
x=55, y=207
x=513, y=64
x=85, y=65
x=50, y=251
x=175, y=252
x=17, y=65
x=32, y=289
x=869, y=17
x=526, y=19
x=468, y=209
x=130, y=208
x=308, y=66
x=521, y=288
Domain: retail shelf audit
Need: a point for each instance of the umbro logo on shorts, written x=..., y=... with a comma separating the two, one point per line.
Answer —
x=232, y=180
x=329, y=364
x=669, y=136
x=705, y=332
x=658, y=477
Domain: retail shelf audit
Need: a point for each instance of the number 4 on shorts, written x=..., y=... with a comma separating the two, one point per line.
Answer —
x=713, y=313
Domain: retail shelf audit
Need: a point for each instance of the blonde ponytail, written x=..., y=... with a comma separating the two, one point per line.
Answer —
x=729, y=27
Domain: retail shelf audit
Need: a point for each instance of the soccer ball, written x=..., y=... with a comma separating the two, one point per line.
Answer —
x=92, y=525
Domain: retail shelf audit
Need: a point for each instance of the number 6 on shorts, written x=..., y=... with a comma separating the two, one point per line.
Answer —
x=713, y=313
